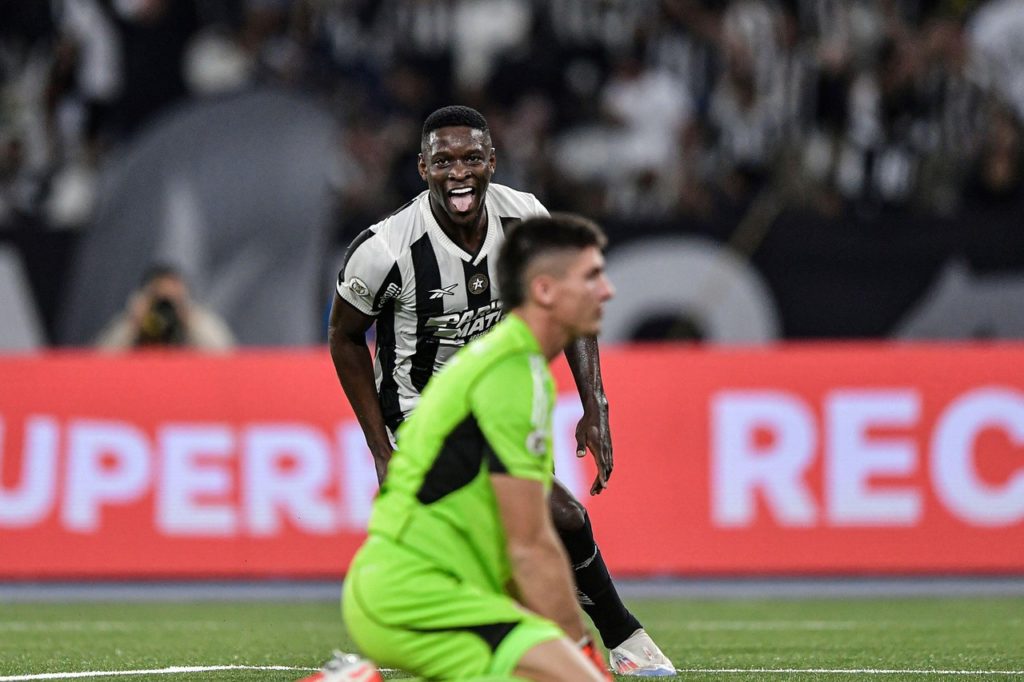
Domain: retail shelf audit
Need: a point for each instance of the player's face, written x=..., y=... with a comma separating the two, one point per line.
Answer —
x=457, y=164
x=580, y=294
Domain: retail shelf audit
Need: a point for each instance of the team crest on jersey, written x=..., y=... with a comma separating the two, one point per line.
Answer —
x=478, y=283
x=358, y=286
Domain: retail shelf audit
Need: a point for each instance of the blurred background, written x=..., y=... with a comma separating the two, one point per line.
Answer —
x=845, y=174
x=766, y=169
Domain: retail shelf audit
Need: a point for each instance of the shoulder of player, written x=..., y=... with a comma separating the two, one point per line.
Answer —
x=498, y=355
x=390, y=237
x=512, y=203
x=497, y=381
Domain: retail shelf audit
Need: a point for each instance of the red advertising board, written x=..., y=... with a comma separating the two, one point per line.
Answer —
x=798, y=459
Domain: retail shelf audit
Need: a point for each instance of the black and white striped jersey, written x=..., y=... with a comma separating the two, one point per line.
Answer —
x=429, y=296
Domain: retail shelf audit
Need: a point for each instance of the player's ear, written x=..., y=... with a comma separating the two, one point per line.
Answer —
x=421, y=165
x=542, y=289
x=492, y=161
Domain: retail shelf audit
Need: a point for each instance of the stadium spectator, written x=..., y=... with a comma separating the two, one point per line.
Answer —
x=998, y=175
x=161, y=313
x=858, y=91
x=439, y=588
x=28, y=39
x=994, y=47
x=863, y=108
x=427, y=276
x=750, y=108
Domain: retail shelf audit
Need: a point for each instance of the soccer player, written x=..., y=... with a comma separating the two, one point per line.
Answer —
x=426, y=275
x=461, y=538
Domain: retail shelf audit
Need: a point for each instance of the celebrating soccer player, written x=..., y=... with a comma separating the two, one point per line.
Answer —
x=460, y=538
x=427, y=276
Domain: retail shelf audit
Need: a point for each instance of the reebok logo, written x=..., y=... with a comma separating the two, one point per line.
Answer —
x=441, y=293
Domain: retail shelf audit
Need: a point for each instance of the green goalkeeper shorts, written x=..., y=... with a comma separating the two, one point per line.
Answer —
x=405, y=613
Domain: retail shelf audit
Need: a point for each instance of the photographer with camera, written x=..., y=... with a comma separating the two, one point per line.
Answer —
x=161, y=313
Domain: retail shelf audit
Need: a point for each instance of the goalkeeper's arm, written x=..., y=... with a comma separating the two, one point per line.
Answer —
x=540, y=567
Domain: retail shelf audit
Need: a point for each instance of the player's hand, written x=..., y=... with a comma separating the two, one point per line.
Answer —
x=593, y=433
x=593, y=654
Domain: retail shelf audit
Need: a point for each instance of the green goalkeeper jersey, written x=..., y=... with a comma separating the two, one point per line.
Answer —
x=489, y=410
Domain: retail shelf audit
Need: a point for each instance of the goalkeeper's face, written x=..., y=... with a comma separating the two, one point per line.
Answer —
x=578, y=290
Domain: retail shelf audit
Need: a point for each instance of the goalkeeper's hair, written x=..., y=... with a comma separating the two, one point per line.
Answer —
x=536, y=237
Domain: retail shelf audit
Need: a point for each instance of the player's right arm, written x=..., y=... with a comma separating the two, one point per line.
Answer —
x=367, y=281
x=346, y=335
x=512, y=404
x=539, y=563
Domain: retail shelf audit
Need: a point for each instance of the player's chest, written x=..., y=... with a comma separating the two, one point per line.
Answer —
x=451, y=300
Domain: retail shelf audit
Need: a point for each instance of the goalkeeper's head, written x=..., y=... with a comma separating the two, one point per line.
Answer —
x=551, y=273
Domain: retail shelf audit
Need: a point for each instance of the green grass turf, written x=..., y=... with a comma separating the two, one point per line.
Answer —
x=708, y=639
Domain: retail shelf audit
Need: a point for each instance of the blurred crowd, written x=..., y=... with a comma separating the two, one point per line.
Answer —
x=643, y=109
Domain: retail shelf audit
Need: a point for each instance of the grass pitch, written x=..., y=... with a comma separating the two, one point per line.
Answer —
x=889, y=640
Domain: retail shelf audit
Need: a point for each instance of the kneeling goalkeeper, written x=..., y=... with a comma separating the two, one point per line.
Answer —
x=463, y=575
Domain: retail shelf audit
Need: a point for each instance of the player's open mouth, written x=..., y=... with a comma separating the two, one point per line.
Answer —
x=462, y=198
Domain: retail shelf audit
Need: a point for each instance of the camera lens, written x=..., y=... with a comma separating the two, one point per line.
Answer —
x=161, y=325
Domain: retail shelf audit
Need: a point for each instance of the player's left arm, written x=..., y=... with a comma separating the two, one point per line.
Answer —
x=593, y=431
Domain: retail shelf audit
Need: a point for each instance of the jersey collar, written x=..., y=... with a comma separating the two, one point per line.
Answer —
x=438, y=236
x=523, y=331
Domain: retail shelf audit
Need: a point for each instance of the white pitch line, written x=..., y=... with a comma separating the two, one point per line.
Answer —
x=134, y=625
x=840, y=671
x=158, y=671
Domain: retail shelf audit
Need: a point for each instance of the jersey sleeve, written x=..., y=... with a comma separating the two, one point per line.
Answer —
x=512, y=406
x=370, y=276
x=538, y=208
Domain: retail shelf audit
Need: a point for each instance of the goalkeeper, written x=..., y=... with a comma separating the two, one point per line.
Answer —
x=463, y=575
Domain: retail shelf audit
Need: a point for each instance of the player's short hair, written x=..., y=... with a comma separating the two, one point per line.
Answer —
x=453, y=115
x=537, y=237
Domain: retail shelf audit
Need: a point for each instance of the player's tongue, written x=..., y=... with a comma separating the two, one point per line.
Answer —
x=462, y=201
